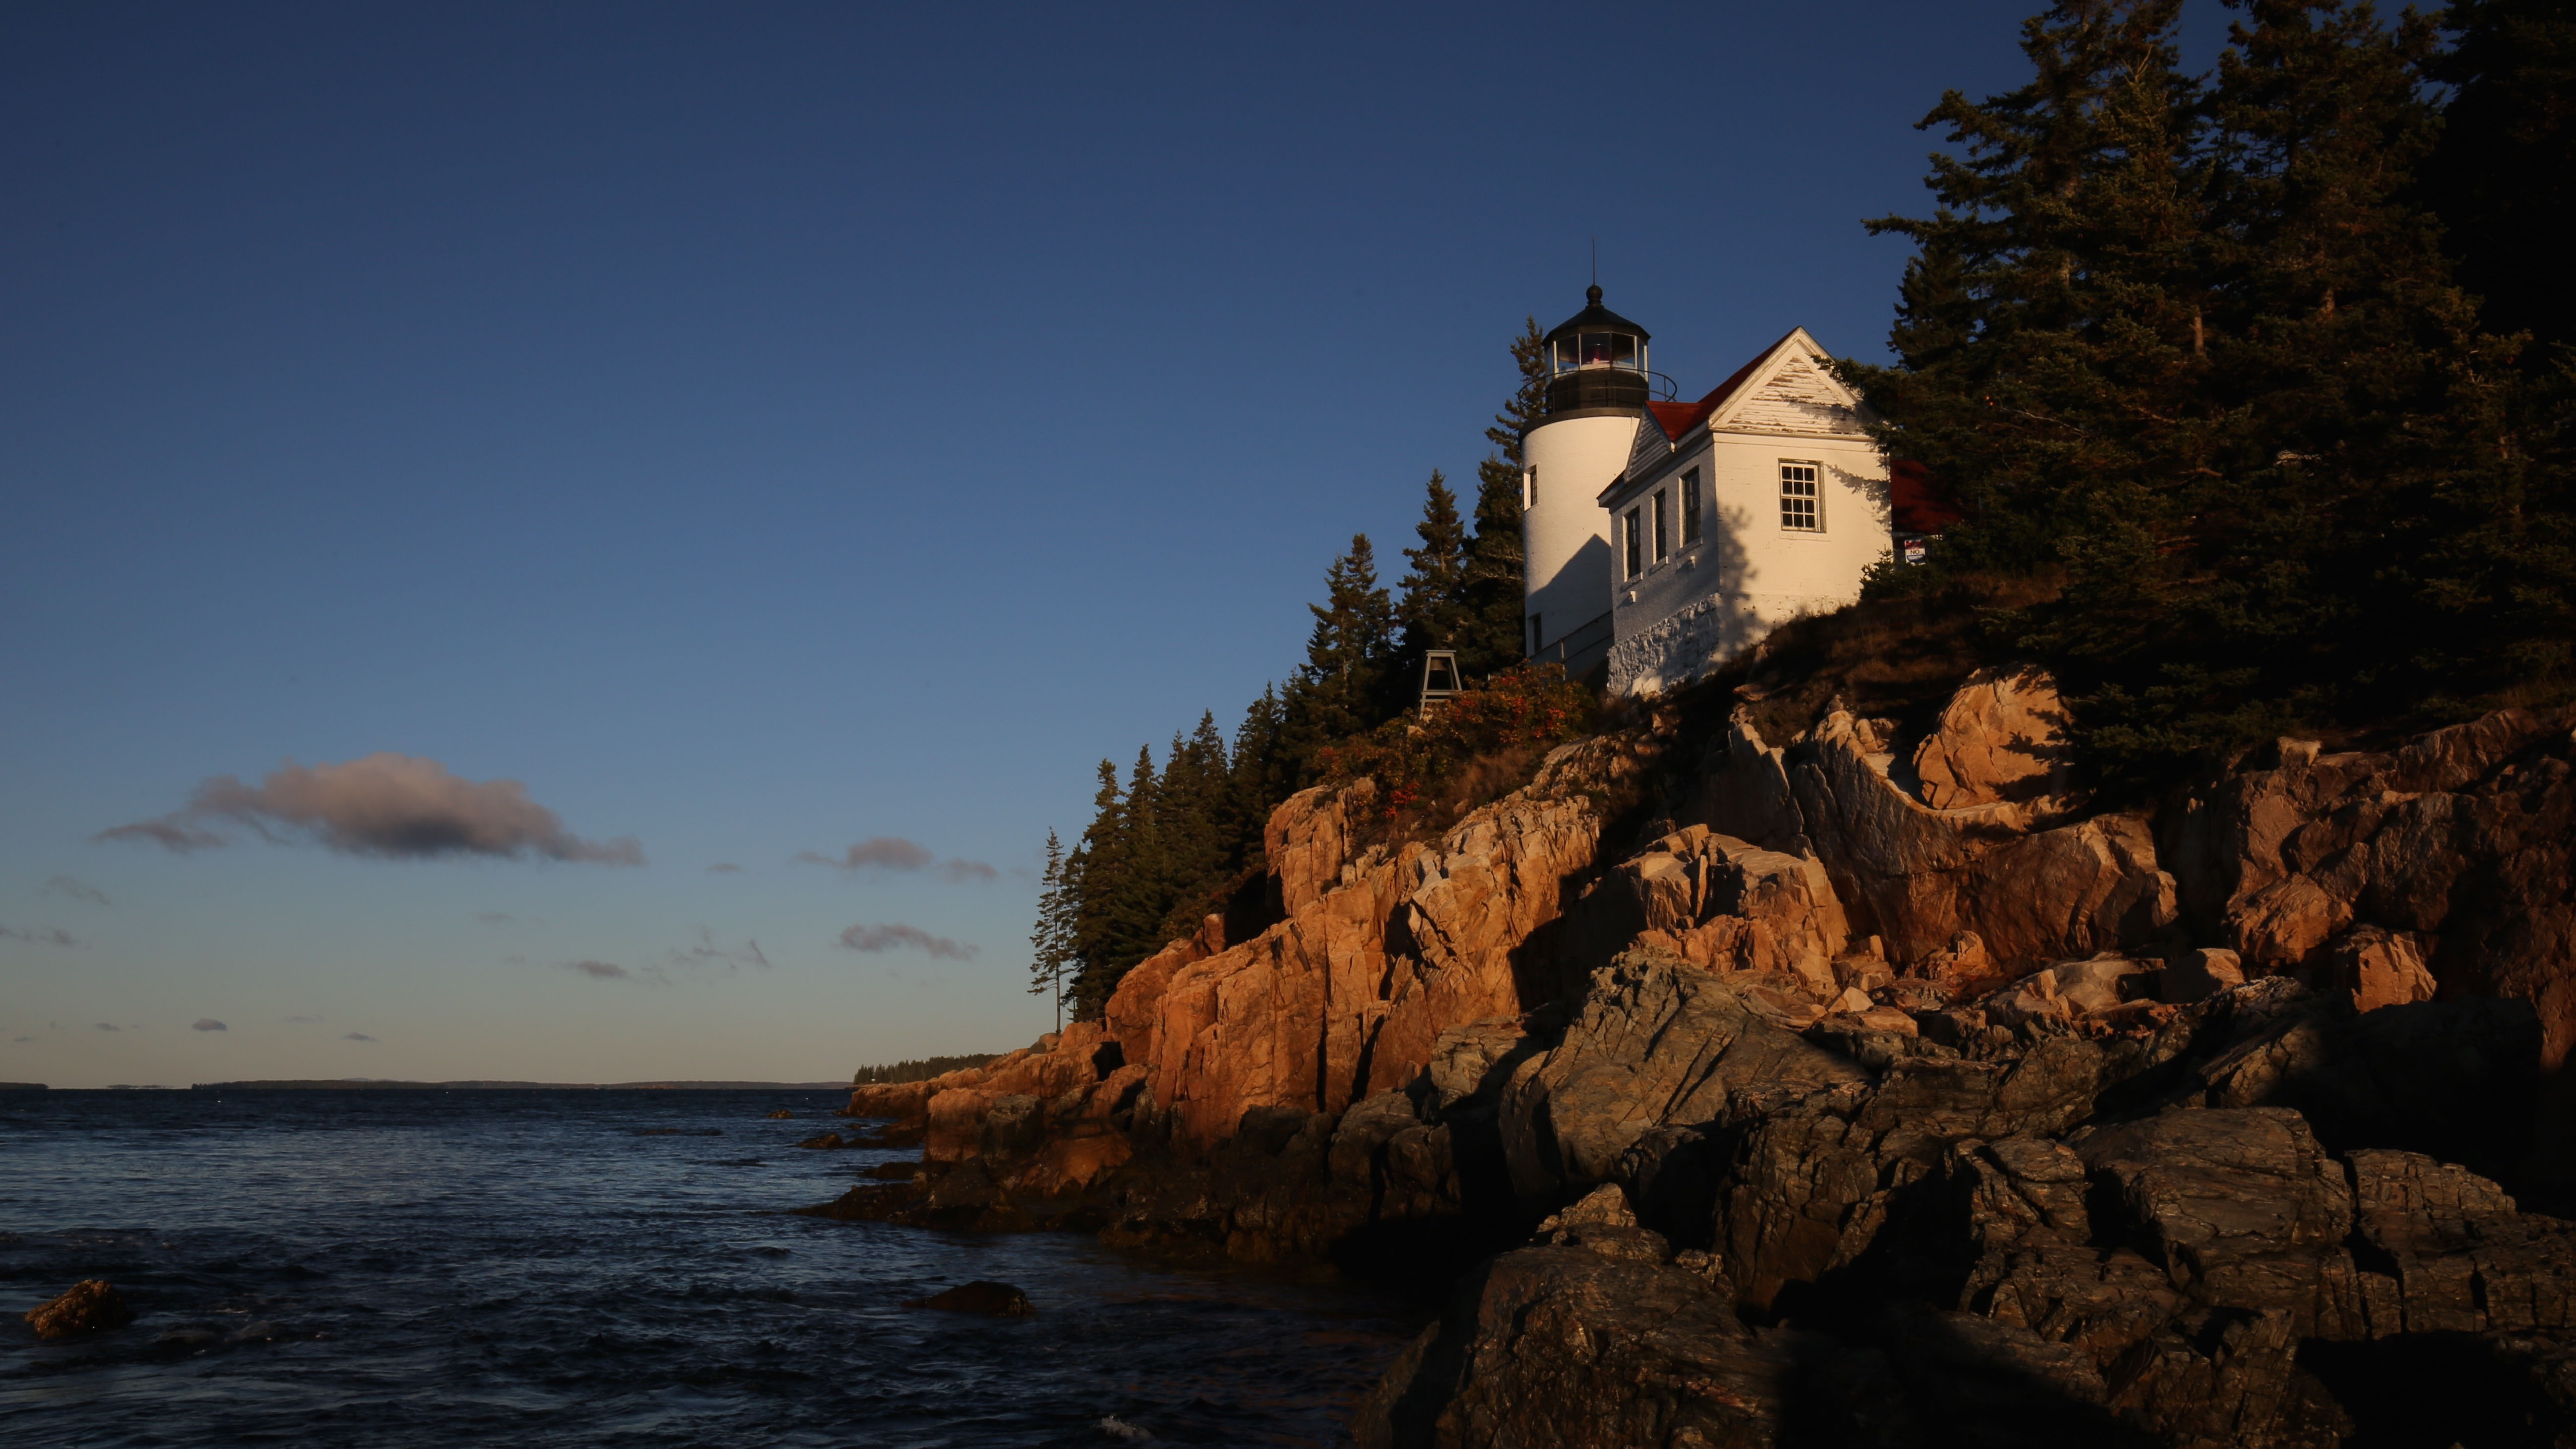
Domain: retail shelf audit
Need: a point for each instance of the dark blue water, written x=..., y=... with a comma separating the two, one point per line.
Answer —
x=392, y=1268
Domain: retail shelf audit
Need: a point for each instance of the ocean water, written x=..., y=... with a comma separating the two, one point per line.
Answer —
x=503, y=1268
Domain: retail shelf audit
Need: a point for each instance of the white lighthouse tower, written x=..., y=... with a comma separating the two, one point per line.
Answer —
x=1597, y=390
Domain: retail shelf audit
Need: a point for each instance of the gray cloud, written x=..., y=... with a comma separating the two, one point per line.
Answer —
x=724, y=867
x=168, y=833
x=63, y=885
x=494, y=918
x=357, y=1036
x=898, y=937
x=104, y=1026
x=604, y=970
x=893, y=852
x=396, y=807
x=705, y=952
x=207, y=1023
x=37, y=938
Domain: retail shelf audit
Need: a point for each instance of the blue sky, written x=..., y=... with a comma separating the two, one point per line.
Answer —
x=762, y=430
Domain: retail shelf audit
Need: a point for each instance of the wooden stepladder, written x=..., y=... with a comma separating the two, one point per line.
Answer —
x=1441, y=682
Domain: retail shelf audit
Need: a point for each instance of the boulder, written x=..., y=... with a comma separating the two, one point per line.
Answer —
x=1562, y=1348
x=1919, y=877
x=1656, y=1043
x=997, y=1300
x=2198, y=974
x=2002, y=737
x=86, y=1307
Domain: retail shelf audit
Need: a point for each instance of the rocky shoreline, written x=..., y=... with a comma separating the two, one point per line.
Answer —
x=1869, y=1090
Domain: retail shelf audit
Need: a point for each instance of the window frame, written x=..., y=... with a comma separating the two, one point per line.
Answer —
x=1629, y=543
x=1662, y=514
x=1690, y=507
x=1813, y=498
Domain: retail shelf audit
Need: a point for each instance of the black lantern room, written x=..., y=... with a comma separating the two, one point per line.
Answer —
x=1596, y=359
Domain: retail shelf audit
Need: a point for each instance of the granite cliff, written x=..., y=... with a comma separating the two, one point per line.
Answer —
x=1865, y=1088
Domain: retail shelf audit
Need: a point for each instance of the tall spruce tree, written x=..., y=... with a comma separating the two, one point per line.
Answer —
x=2194, y=348
x=1052, y=957
x=1339, y=690
x=1101, y=871
x=2504, y=176
x=1493, y=635
x=2055, y=316
x=1431, y=610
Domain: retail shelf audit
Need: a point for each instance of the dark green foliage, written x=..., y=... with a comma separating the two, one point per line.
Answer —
x=1492, y=636
x=1051, y=944
x=1432, y=610
x=2190, y=346
x=1340, y=689
x=1166, y=850
x=920, y=1071
x=2503, y=177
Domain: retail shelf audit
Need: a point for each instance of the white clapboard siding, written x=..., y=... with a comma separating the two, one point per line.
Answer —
x=1798, y=399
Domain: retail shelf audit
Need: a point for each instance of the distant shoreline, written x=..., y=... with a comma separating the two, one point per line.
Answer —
x=307, y=1084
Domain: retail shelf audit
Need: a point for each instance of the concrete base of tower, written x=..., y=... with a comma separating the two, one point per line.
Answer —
x=1703, y=637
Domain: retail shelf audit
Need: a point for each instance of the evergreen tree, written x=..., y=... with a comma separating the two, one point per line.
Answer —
x=2504, y=176
x=2070, y=245
x=1145, y=895
x=1339, y=689
x=2194, y=349
x=1051, y=944
x=1432, y=610
x=1493, y=634
x=1260, y=775
x=1100, y=871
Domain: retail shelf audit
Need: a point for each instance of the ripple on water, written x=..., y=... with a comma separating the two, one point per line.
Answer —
x=557, y=1269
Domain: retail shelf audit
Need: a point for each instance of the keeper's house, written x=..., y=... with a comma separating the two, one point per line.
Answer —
x=1668, y=537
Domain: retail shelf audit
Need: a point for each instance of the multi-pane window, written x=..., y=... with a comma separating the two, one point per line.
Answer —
x=1690, y=508
x=1663, y=531
x=1628, y=536
x=1798, y=497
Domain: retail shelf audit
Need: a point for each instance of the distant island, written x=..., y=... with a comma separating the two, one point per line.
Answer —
x=345, y=1084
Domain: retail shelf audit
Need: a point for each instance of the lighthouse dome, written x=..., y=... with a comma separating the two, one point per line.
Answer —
x=1596, y=359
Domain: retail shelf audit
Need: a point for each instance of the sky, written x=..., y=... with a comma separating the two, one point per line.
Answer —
x=593, y=543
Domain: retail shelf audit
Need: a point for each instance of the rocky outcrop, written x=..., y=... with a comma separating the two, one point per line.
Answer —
x=2059, y=1241
x=1868, y=1092
x=2003, y=737
x=2439, y=866
x=86, y=1307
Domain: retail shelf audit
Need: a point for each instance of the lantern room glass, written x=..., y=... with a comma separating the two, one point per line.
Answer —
x=1598, y=349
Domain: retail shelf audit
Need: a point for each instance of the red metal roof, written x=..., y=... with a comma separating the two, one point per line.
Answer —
x=1678, y=418
x=1915, y=503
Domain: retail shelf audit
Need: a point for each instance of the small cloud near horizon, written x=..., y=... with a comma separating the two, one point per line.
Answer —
x=385, y=805
x=725, y=867
x=707, y=953
x=207, y=1023
x=357, y=1036
x=896, y=937
x=56, y=937
x=893, y=852
x=104, y=1026
x=63, y=885
x=603, y=970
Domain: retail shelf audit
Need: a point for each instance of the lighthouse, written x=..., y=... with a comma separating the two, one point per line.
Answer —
x=1597, y=390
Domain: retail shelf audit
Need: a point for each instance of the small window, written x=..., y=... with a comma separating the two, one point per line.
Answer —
x=1530, y=479
x=1536, y=635
x=1690, y=508
x=1798, y=502
x=1628, y=527
x=1663, y=533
